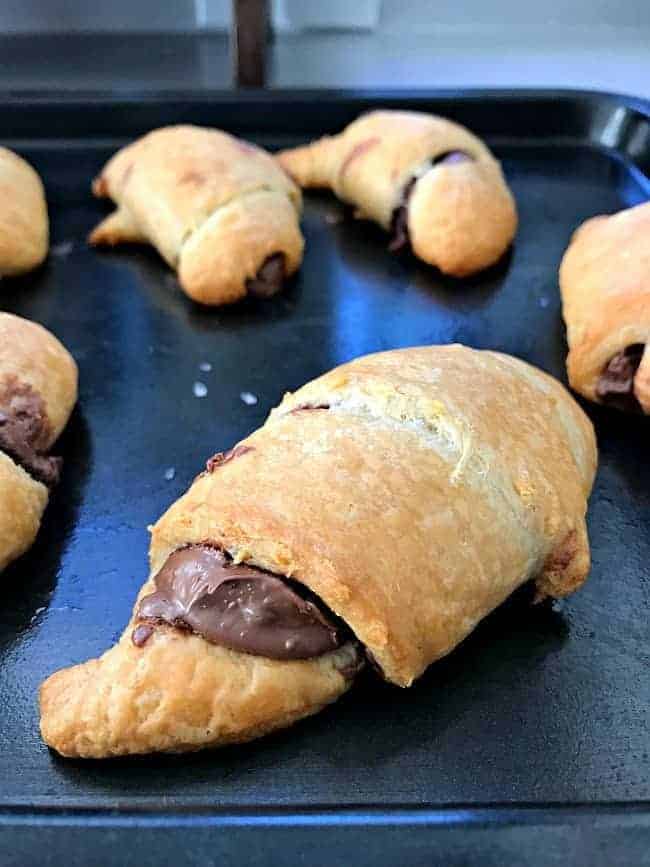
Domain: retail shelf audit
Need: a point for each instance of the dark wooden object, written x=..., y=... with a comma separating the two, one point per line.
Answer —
x=249, y=40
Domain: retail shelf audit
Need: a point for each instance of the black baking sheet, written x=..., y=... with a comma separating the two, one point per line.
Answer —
x=529, y=743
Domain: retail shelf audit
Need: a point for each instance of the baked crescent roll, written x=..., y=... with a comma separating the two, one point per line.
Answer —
x=605, y=283
x=218, y=209
x=427, y=180
x=38, y=389
x=398, y=499
x=24, y=227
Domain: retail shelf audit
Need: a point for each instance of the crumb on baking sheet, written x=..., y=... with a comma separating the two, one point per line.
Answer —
x=248, y=398
x=200, y=389
x=60, y=251
x=170, y=472
x=205, y=367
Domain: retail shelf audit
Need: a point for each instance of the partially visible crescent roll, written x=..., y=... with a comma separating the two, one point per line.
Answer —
x=407, y=493
x=605, y=284
x=24, y=226
x=218, y=209
x=22, y=502
x=427, y=180
x=38, y=389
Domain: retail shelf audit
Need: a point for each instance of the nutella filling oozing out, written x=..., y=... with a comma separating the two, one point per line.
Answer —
x=309, y=407
x=615, y=386
x=269, y=278
x=222, y=458
x=25, y=431
x=200, y=589
x=399, y=223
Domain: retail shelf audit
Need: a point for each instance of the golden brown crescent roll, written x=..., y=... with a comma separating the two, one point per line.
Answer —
x=218, y=209
x=427, y=180
x=38, y=389
x=24, y=227
x=399, y=498
x=605, y=283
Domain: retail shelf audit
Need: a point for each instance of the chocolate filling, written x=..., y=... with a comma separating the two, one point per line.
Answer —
x=222, y=458
x=269, y=278
x=399, y=225
x=615, y=386
x=450, y=158
x=141, y=634
x=200, y=589
x=309, y=407
x=25, y=431
x=399, y=222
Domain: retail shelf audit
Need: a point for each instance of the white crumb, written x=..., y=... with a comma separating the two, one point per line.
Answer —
x=248, y=398
x=205, y=367
x=36, y=614
x=200, y=389
x=62, y=250
x=543, y=301
x=170, y=472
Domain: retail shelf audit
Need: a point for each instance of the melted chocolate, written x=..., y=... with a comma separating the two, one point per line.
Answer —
x=269, y=278
x=141, y=634
x=615, y=386
x=309, y=407
x=222, y=458
x=399, y=223
x=399, y=227
x=200, y=589
x=25, y=431
x=450, y=158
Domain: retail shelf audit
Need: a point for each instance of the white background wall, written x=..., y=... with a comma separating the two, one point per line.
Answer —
x=601, y=44
x=397, y=17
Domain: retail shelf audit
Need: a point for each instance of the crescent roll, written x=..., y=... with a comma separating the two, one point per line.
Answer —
x=218, y=209
x=397, y=499
x=24, y=226
x=428, y=181
x=38, y=389
x=605, y=284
